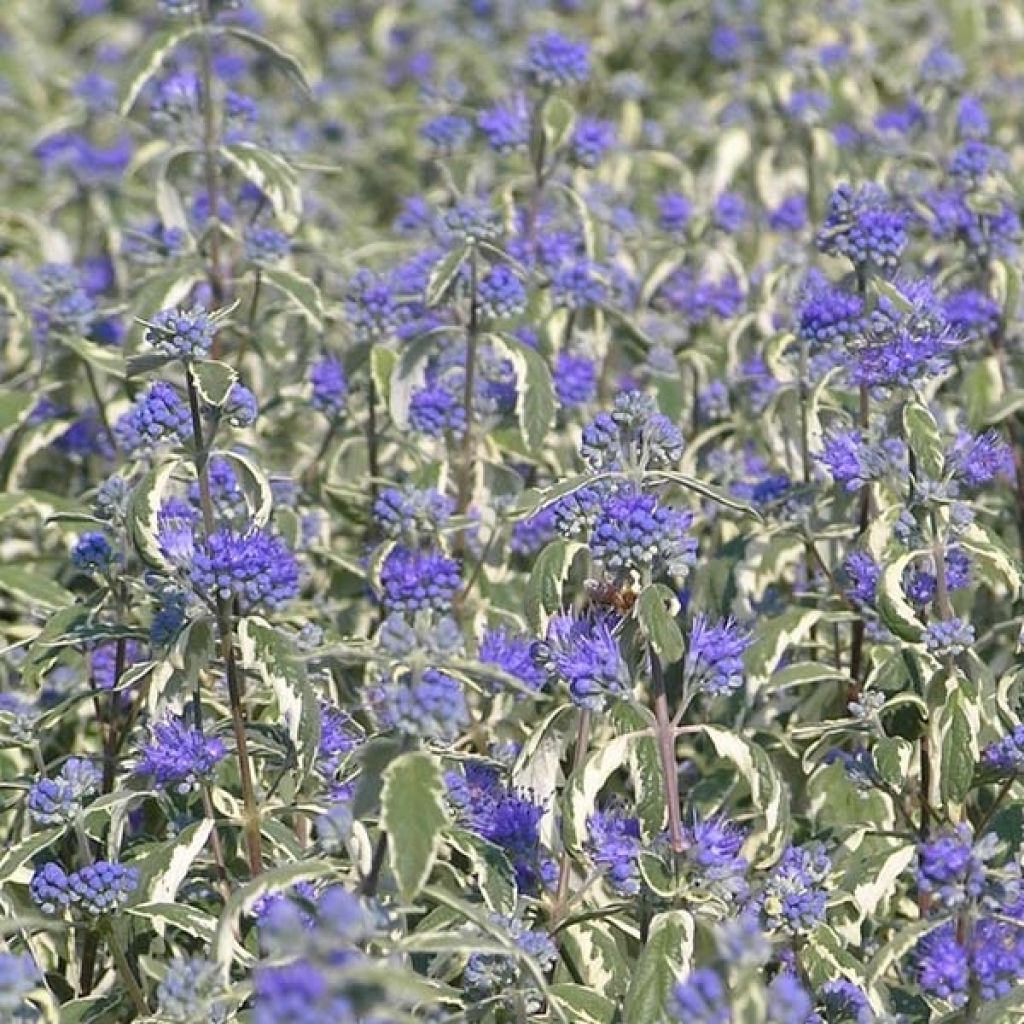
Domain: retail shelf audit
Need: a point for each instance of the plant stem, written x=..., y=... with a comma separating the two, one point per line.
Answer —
x=215, y=844
x=101, y=408
x=468, y=467
x=126, y=973
x=857, y=649
x=665, y=735
x=372, y=880
x=211, y=143
x=579, y=756
x=225, y=628
x=1004, y=792
x=372, y=452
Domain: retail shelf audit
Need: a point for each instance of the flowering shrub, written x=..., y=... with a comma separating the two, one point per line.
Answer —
x=511, y=511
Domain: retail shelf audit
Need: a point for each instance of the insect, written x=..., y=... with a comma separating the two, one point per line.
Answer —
x=608, y=595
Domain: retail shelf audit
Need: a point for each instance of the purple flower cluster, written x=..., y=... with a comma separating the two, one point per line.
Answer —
x=505, y=817
x=96, y=889
x=255, y=568
x=714, y=656
x=179, y=756
x=160, y=415
x=412, y=580
x=584, y=654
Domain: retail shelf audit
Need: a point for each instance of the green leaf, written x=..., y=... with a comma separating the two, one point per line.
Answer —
x=924, y=438
x=982, y=389
x=955, y=727
x=557, y=121
x=598, y=958
x=444, y=275
x=273, y=175
x=658, y=624
x=665, y=957
x=157, y=292
x=186, y=918
x=824, y=957
x=382, y=365
x=14, y=407
x=213, y=381
x=300, y=291
x=544, y=587
x=149, y=61
x=165, y=866
x=536, y=403
x=408, y=375
x=579, y=800
x=773, y=638
x=141, y=365
x=892, y=759
x=995, y=564
x=33, y=588
x=710, y=491
x=768, y=793
x=275, y=57
x=413, y=815
x=143, y=516
x=895, y=610
x=644, y=767
x=104, y=358
x=268, y=652
x=258, y=493
x=582, y=1005
x=495, y=879
x=15, y=857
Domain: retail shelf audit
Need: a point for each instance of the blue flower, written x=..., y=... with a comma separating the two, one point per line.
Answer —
x=500, y=292
x=431, y=706
x=614, y=844
x=866, y=226
x=413, y=580
x=942, y=965
x=714, y=657
x=255, y=568
x=179, y=756
x=634, y=533
x=512, y=654
x=506, y=126
x=92, y=552
x=370, y=306
x=181, y=333
x=330, y=387
x=59, y=801
x=96, y=889
x=555, y=60
x=160, y=415
x=948, y=636
x=592, y=138
x=265, y=245
x=794, y=896
x=700, y=998
x=584, y=654
x=578, y=285
x=575, y=379
x=446, y=132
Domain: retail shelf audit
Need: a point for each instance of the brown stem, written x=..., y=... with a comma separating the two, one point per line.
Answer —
x=216, y=848
x=468, y=468
x=225, y=627
x=211, y=143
